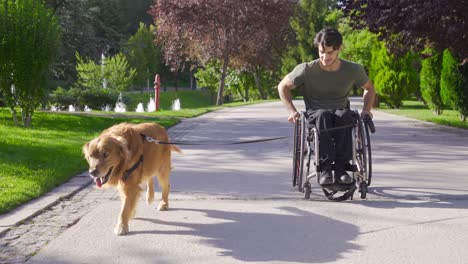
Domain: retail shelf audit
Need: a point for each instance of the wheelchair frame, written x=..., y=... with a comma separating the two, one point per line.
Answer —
x=306, y=146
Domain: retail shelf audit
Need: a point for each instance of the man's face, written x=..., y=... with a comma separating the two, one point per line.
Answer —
x=328, y=55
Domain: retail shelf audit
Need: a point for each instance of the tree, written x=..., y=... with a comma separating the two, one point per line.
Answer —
x=132, y=13
x=310, y=17
x=308, y=20
x=114, y=73
x=454, y=84
x=430, y=80
x=415, y=22
x=225, y=30
x=144, y=55
x=30, y=37
x=394, y=78
x=84, y=33
x=357, y=44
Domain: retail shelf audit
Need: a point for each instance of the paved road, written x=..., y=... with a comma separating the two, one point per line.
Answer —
x=235, y=204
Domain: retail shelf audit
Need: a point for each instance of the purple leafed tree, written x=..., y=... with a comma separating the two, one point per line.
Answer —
x=444, y=23
x=238, y=33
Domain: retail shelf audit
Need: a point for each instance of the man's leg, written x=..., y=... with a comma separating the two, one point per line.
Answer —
x=323, y=120
x=343, y=141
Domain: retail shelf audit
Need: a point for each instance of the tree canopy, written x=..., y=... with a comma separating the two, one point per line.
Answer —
x=26, y=53
x=412, y=23
x=231, y=31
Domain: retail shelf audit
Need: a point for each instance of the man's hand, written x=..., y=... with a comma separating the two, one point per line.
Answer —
x=293, y=117
x=365, y=113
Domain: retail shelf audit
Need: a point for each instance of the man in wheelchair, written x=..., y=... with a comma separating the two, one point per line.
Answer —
x=326, y=84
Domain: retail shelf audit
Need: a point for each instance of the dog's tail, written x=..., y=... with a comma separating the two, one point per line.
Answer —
x=176, y=149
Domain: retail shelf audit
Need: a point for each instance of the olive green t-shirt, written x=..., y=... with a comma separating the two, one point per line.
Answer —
x=324, y=89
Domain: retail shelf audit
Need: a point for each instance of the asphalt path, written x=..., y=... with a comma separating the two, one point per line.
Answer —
x=235, y=203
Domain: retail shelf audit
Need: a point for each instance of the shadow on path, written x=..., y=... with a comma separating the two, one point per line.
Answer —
x=257, y=237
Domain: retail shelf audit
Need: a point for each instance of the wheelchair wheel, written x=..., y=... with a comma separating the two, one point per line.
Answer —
x=299, y=152
x=296, y=140
x=369, y=154
x=362, y=151
x=303, y=153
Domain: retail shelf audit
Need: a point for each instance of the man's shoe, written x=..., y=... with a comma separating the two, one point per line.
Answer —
x=343, y=177
x=326, y=177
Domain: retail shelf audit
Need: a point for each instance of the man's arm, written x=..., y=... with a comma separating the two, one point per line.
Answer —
x=368, y=96
x=284, y=90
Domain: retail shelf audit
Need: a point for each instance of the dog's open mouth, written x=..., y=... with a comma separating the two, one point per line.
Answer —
x=101, y=181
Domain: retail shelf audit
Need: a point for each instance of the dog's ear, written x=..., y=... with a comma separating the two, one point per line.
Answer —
x=124, y=152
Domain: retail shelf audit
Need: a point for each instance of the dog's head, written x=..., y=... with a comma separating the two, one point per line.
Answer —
x=106, y=156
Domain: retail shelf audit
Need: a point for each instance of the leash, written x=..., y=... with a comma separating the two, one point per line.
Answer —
x=366, y=121
x=156, y=141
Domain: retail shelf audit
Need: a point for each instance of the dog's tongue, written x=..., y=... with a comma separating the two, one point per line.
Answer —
x=98, y=182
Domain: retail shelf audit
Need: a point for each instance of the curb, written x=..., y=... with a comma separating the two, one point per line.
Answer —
x=35, y=207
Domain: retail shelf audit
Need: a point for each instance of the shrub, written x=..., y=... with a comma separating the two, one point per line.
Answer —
x=454, y=84
x=430, y=81
x=394, y=77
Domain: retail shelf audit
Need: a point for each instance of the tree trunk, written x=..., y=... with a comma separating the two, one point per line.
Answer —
x=26, y=115
x=246, y=97
x=193, y=80
x=258, y=83
x=220, y=98
x=177, y=81
x=14, y=115
x=463, y=117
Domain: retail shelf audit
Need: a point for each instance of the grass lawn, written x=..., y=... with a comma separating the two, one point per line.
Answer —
x=33, y=161
x=417, y=110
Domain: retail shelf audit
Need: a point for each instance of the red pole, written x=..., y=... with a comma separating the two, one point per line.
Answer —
x=157, y=88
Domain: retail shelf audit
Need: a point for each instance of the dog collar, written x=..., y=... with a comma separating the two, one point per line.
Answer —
x=133, y=168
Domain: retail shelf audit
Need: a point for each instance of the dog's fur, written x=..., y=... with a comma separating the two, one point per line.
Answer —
x=119, y=148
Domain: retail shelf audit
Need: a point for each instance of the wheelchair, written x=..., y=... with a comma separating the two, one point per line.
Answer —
x=306, y=162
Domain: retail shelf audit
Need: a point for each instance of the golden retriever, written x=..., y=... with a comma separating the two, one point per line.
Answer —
x=121, y=157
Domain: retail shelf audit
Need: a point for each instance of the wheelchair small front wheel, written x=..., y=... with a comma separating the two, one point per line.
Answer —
x=307, y=190
x=363, y=190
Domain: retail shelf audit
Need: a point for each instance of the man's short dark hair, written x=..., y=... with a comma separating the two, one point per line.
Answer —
x=329, y=37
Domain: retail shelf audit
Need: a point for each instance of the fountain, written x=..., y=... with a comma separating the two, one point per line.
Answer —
x=71, y=108
x=106, y=108
x=139, y=108
x=176, y=105
x=54, y=108
x=120, y=107
x=151, y=105
x=87, y=109
x=103, y=64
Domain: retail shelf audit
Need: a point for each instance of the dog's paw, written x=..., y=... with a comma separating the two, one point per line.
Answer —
x=163, y=206
x=121, y=229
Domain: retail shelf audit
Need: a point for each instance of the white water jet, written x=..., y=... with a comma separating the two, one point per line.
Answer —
x=71, y=108
x=176, y=105
x=151, y=105
x=106, y=108
x=120, y=107
x=87, y=109
x=54, y=108
x=140, y=108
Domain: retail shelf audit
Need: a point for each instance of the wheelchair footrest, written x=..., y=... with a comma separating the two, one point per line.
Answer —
x=331, y=189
